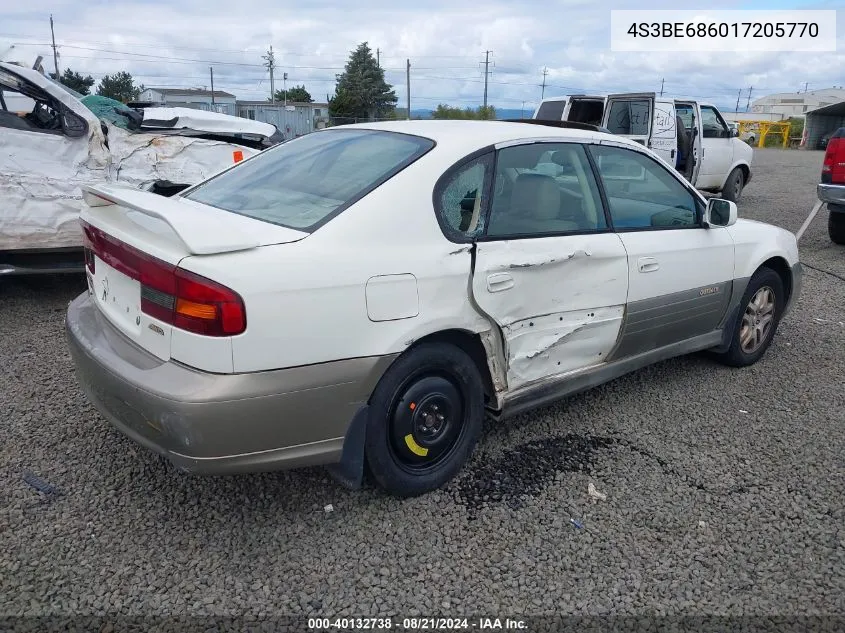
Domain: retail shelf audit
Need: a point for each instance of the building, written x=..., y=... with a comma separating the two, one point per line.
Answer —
x=293, y=119
x=822, y=121
x=752, y=116
x=196, y=98
x=798, y=103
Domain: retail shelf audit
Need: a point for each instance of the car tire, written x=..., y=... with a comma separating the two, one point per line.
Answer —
x=764, y=297
x=836, y=226
x=733, y=186
x=425, y=418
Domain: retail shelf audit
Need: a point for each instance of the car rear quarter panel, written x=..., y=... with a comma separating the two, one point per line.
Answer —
x=307, y=302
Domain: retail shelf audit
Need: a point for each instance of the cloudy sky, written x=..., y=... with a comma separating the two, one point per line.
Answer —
x=174, y=43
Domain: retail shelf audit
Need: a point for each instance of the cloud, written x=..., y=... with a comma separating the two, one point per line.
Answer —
x=164, y=44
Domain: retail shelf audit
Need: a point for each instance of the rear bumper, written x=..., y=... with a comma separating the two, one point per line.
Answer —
x=218, y=423
x=831, y=194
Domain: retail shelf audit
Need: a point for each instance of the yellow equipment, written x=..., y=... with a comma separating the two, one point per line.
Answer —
x=764, y=127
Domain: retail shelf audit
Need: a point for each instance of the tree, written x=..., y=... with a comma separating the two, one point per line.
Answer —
x=444, y=111
x=297, y=94
x=361, y=91
x=119, y=86
x=75, y=81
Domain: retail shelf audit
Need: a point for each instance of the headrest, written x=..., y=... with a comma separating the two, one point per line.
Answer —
x=536, y=196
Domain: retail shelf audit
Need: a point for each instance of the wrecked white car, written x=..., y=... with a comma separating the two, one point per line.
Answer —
x=53, y=141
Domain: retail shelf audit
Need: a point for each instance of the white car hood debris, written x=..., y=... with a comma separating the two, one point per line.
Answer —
x=140, y=159
x=42, y=172
x=202, y=121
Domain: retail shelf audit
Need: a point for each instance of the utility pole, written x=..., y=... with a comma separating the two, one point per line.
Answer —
x=271, y=64
x=486, y=73
x=806, y=85
x=748, y=103
x=522, y=112
x=739, y=94
x=55, y=50
x=211, y=70
x=378, y=57
x=545, y=72
x=408, y=85
x=285, y=88
x=661, y=86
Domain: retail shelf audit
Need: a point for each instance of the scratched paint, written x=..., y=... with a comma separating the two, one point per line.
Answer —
x=560, y=343
x=563, y=309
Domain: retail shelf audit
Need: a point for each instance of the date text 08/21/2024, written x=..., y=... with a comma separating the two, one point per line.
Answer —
x=415, y=624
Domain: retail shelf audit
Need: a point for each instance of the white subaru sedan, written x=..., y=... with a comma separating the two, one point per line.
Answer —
x=364, y=295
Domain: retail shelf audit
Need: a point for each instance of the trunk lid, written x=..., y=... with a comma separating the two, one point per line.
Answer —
x=134, y=242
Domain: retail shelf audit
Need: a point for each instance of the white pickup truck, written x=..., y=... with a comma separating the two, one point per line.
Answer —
x=53, y=141
x=690, y=135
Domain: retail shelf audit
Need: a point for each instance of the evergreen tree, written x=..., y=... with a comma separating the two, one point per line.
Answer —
x=75, y=81
x=119, y=86
x=361, y=90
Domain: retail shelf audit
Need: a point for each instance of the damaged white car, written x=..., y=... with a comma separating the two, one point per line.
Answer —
x=53, y=141
x=365, y=294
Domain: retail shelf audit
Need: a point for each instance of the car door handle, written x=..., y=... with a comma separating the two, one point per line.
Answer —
x=648, y=264
x=499, y=282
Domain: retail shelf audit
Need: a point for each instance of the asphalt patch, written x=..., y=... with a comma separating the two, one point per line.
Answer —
x=523, y=472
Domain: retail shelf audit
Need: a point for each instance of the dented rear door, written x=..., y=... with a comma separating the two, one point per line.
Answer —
x=558, y=289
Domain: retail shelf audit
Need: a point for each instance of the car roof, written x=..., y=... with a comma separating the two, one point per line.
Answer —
x=472, y=135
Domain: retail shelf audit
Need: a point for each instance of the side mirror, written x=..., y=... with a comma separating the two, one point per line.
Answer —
x=720, y=213
x=734, y=132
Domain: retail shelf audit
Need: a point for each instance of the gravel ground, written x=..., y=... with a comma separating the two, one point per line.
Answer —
x=724, y=488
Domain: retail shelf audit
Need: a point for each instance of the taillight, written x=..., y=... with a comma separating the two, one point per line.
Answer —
x=88, y=247
x=833, y=168
x=168, y=293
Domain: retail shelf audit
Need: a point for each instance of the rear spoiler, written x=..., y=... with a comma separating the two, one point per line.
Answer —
x=201, y=234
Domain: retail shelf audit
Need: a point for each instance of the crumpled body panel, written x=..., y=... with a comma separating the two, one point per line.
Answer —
x=41, y=175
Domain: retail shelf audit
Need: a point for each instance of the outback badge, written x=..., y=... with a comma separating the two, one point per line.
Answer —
x=708, y=291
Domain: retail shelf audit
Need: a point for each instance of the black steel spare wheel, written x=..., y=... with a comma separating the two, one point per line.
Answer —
x=425, y=417
x=426, y=422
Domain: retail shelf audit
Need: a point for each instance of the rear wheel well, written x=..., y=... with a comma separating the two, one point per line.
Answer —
x=781, y=267
x=471, y=344
x=746, y=172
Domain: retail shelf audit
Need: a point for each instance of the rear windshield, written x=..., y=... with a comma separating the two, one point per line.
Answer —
x=304, y=182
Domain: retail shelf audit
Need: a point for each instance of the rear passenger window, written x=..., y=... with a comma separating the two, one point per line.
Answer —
x=551, y=111
x=629, y=117
x=544, y=189
x=641, y=193
x=460, y=198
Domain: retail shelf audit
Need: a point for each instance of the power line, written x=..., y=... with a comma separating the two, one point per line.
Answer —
x=226, y=50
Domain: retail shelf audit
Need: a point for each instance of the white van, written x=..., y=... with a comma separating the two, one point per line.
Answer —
x=690, y=135
x=578, y=108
